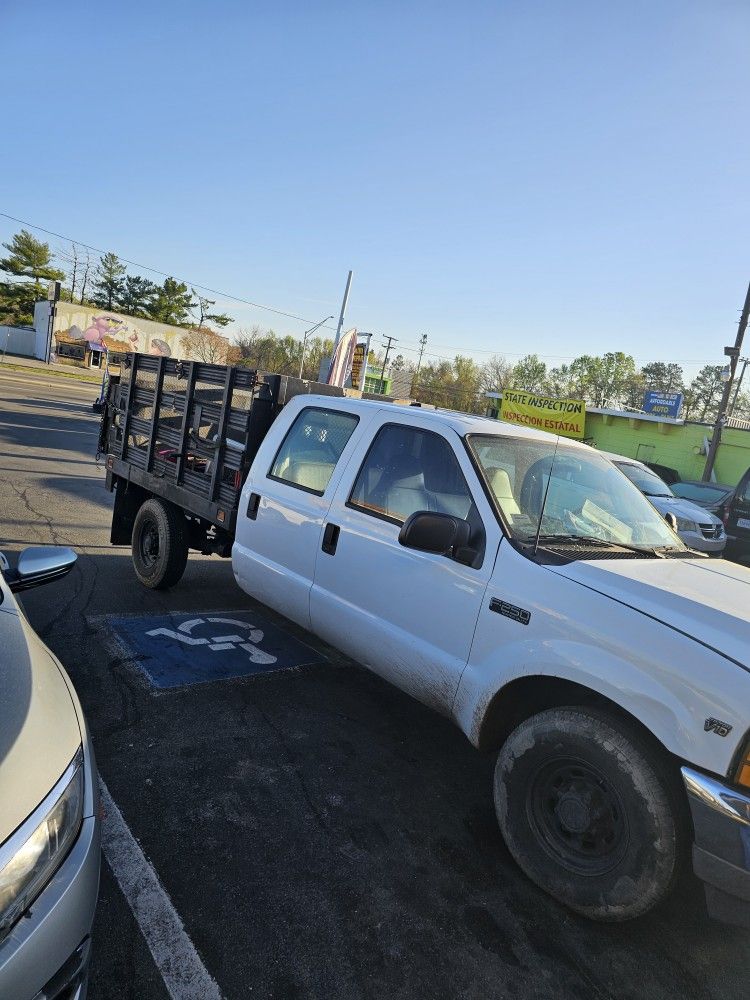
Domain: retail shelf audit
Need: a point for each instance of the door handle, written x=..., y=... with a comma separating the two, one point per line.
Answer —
x=253, y=503
x=330, y=539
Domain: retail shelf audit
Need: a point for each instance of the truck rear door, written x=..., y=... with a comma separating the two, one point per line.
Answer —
x=408, y=615
x=285, y=501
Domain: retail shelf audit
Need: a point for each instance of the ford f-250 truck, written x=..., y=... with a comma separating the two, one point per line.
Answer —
x=515, y=581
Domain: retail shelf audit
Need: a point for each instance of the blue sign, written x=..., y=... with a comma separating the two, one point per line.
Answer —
x=192, y=648
x=662, y=404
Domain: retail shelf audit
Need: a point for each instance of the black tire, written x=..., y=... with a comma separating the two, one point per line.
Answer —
x=160, y=544
x=590, y=813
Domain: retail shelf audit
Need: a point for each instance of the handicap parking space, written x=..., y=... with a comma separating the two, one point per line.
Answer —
x=183, y=648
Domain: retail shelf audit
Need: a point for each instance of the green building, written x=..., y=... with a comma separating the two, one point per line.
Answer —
x=677, y=444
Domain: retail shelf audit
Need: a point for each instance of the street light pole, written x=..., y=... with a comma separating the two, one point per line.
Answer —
x=343, y=312
x=304, y=342
x=733, y=354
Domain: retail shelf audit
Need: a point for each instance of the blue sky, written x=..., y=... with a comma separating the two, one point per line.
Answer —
x=505, y=177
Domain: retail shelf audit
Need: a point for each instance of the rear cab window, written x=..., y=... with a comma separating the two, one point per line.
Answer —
x=312, y=447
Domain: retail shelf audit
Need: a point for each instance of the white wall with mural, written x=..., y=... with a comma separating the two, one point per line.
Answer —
x=78, y=331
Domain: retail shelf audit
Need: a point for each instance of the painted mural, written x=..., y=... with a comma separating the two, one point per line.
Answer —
x=79, y=330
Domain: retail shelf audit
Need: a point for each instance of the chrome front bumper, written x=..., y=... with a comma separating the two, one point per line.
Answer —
x=721, y=852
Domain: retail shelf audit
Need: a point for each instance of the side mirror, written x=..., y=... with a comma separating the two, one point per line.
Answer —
x=38, y=565
x=671, y=521
x=442, y=534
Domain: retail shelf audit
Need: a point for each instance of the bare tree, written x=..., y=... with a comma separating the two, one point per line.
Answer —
x=205, y=345
x=74, y=272
x=84, y=281
x=496, y=374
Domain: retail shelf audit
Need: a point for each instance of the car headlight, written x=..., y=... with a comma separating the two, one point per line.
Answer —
x=31, y=856
x=685, y=524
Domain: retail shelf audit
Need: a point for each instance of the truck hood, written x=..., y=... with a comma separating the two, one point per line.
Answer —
x=706, y=599
x=683, y=508
x=39, y=730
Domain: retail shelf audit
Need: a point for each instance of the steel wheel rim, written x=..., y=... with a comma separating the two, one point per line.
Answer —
x=577, y=815
x=148, y=544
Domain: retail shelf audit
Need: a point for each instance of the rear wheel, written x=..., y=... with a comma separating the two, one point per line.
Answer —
x=589, y=812
x=160, y=544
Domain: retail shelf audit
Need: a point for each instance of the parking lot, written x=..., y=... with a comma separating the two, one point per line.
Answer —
x=317, y=833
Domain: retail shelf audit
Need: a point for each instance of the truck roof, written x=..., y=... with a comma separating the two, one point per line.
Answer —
x=461, y=423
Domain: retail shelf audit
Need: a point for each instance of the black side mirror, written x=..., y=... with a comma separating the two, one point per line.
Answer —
x=442, y=534
x=38, y=565
x=671, y=521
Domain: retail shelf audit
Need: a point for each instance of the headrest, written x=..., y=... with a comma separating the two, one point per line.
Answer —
x=499, y=482
x=405, y=472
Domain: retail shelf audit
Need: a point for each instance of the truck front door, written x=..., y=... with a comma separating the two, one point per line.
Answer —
x=408, y=615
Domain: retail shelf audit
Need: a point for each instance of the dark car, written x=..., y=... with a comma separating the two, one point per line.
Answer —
x=736, y=518
x=712, y=496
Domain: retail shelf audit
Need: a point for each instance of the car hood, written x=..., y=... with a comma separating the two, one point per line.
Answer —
x=39, y=729
x=706, y=599
x=683, y=508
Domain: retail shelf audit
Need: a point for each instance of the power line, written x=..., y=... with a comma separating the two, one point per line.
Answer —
x=414, y=349
x=164, y=274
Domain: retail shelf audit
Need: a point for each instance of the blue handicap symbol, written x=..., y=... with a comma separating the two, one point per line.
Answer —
x=178, y=649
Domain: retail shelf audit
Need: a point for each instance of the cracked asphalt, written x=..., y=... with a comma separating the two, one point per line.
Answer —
x=320, y=834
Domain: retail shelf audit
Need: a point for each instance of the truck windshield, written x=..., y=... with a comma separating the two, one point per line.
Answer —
x=567, y=493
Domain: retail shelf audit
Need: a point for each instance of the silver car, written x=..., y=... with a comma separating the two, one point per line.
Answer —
x=49, y=804
x=697, y=527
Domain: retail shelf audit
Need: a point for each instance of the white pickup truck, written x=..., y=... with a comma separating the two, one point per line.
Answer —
x=523, y=586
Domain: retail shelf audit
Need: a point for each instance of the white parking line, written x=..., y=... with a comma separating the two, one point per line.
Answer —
x=184, y=974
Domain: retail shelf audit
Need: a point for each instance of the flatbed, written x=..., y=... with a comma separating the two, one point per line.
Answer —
x=185, y=433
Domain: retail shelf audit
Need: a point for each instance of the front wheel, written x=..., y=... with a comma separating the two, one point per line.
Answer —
x=589, y=813
x=160, y=544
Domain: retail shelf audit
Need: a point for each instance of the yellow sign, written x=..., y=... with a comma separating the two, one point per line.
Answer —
x=558, y=416
x=357, y=362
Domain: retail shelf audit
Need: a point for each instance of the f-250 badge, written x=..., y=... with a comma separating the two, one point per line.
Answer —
x=717, y=726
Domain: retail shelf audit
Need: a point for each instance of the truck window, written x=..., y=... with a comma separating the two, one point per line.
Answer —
x=312, y=447
x=408, y=469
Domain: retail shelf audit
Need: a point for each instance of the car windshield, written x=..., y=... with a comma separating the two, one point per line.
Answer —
x=646, y=481
x=587, y=498
x=700, y=493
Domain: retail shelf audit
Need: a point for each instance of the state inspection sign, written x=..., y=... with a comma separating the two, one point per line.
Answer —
x=546, y=413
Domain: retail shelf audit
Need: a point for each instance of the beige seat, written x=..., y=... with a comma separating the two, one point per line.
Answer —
x=499, y=481
x=313, y=475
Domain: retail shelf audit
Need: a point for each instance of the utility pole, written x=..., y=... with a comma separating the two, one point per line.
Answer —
x=422, y=345
x=733, y=354
x=342, y=313
x=739, y=384
x=385, y=361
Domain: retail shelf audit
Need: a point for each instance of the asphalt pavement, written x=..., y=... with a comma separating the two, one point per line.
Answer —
x=319, y=834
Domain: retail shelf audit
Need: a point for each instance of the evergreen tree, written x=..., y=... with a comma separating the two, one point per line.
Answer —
x=205, y=316
x=27, y=258
x=173, y=303
x=109, y=281
x=137, y=295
